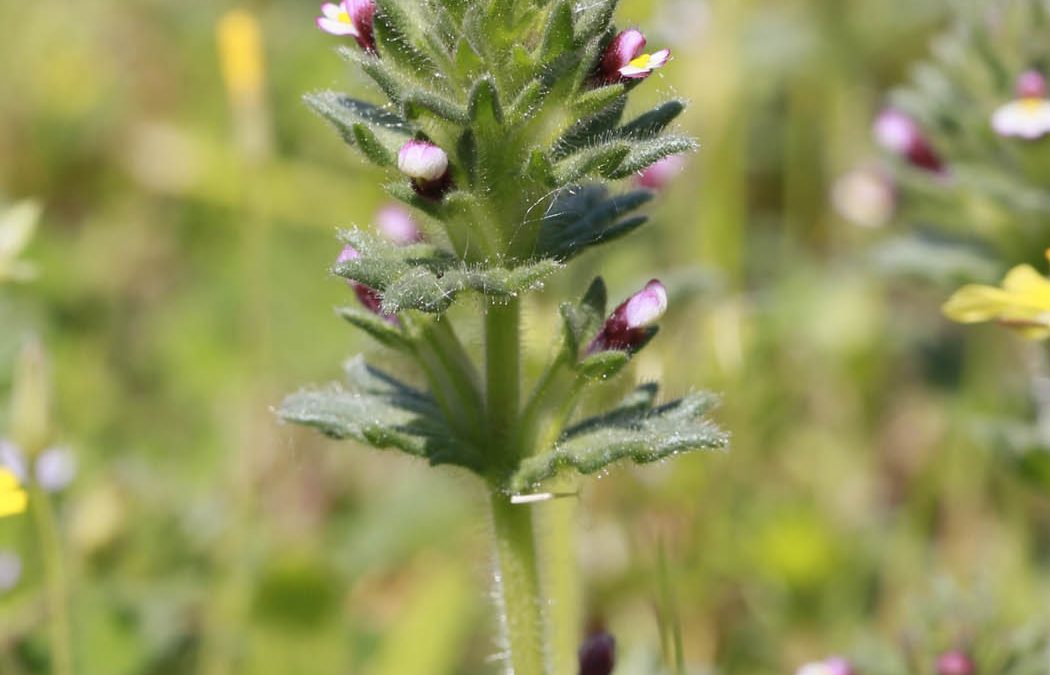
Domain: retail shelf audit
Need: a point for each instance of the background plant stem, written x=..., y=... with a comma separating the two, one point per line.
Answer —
x=55, y=580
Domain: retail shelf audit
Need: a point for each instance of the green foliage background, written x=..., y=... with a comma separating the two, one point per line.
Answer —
x=183, y=290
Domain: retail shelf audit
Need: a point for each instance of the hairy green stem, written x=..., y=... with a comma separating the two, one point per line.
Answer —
x=518, y=588
x=559, y=574
x=55, y=580
x=502, y=376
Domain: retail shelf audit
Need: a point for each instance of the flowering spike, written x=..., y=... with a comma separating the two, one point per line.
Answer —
x=368, y=296
x=955, y=662
x=427, y=165
x=623, y=58
x=396, y=224
x=629, y=327
x=597, y=654
x=900, y=134
x=1028, y=117
x=350, y=17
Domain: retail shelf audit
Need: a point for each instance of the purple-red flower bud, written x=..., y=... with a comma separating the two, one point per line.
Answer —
x=350, y=17
x=623, y=58
x=597, y=654
x=368, y=296
x=901, y=135
x=627, y=328
x=427, y=165
x=396, y=224
x=955, y=662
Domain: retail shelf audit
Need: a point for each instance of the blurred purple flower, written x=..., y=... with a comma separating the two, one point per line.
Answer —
x=55, y=469
x=901, y=135
x=13, y=460
x=397, y=225
x=955, y=662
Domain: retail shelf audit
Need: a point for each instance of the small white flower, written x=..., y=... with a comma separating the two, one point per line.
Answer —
x=1028, y=116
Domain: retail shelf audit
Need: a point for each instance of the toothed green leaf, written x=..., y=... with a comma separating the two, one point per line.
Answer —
x=634, y=431
x=343, y=112
x=558, y=37
x=644, y=154
x=376, y=409
x=372, y=147
x=653, y=122
x=587, y=216
x=601, y=160
x=485, y=110
x=382, y=330
x=594, y=20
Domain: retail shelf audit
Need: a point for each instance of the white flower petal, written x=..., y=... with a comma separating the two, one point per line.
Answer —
x=1028, y=119
x=332, y=10
x=336, y=27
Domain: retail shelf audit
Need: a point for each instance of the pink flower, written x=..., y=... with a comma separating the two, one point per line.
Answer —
x=955, y=662
x=368, y=296
x=833, y=666
x=626, y=329
x=1031, y=84
x=350, y=17
x=659, y=175
x=397, y=225
x=1028, y=117
x=901, y=135
x=427, y=165
x=623, y=58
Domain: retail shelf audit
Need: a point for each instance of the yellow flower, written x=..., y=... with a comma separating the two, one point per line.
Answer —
x=1022, y=303
x=12, y=497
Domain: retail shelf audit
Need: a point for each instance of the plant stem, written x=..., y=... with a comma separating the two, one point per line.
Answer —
x=502, y=375
x=517, y=576
x=518, y=587
x=55, y=580
x=559, y=574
